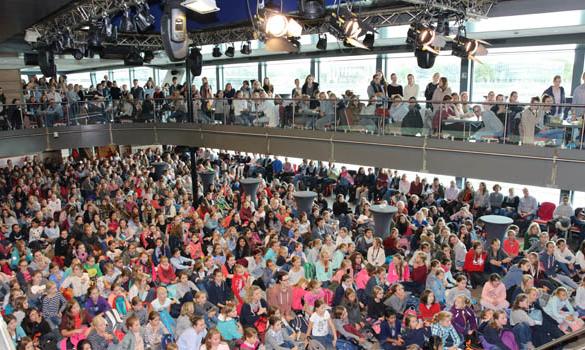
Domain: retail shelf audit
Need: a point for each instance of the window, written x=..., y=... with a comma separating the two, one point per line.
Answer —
x=209, y=73
x=100, y=75
x=82, y=79
x=237, y=73
x=403, y=64
x=529, y=71
x=122, y=77
x=160, y=76
x=283, y=73
x=346, y=73
x=142, y=74
x=542, y=194
x=578, y=199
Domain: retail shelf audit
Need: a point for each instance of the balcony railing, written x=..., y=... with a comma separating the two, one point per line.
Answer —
x=540, y=124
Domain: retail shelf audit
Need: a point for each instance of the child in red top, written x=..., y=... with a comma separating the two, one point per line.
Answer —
x=511, y=244
x=475, y=263
x=428, y=307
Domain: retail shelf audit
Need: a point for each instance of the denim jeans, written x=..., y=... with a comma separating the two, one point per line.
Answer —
x=326, y=341
x=523, y=334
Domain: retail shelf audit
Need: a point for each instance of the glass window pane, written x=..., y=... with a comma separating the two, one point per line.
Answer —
x=283, y=73
x=82, y=79
x=122, y=77
x=237, y=73
x=578, y=199
x=529, y=72
x=143, y=74
x=403, y=64
x=100, y=76
x=542, y=194
x=209, y=73
x=347, y=73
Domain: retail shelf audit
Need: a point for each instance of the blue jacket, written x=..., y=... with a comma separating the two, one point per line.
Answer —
x=557, y=110
x=513, y=277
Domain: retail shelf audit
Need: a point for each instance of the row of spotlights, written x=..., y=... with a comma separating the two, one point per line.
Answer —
x=245, y=49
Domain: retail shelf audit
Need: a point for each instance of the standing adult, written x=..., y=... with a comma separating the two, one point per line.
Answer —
x=558, y=94
x=430, y=89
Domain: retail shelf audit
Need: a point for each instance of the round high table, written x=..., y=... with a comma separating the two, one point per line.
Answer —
x=304, y=200
x=250, y=187
x=495, y=226
x=382, y=217
x=207, y=179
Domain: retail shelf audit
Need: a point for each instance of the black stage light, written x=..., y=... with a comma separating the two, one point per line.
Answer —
x=246, y=48
x=127, y=25
x=322, y=42
x=425, y=58
x=143, y=18
x=216, y=52
x=148, y=56
x=78, y=53
x=369, y=40
x=229, y=52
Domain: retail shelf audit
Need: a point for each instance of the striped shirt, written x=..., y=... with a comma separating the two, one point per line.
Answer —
x=53, y=305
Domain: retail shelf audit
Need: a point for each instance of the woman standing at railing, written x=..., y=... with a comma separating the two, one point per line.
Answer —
x=558, y=93
x=440, y=93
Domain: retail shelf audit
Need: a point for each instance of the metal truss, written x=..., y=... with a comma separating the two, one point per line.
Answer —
x=85, y=11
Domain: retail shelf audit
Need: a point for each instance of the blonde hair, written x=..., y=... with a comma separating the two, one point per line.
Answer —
x=97, y=320
x=442, y=316
x=188, y=309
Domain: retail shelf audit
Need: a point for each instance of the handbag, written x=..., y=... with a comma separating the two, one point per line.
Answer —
x=261, y=324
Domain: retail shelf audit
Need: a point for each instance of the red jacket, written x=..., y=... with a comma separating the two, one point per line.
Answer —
x=472, y=264
x=427, y=313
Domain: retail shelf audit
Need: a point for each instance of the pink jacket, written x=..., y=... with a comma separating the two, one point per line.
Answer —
x=494, y=296
x=393, y=276
x=361, y=279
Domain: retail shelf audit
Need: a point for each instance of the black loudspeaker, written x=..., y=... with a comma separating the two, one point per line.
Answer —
x=195, y=62
x=173, y=30
x=47, y=62
x=425, y=59
x=31, y=59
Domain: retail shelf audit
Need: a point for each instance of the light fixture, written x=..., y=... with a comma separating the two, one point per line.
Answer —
x=127, y=25
x=468, y=48
x=201, y=6
x=143, y=18
x=348, y=27
x=68, y=41
x=423, y=37
x=246, y=48
x=229, y=52
x=216, y=52
x=148, y=56
x=78, y=53
x=424, y=58
x=311, y=9
x=276, y=25
x=282, y=45
x=369, y=40
x=322, y=42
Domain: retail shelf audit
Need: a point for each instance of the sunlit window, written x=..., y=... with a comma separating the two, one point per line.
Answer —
x=528, y=71
x=237, y=73
x=347, y=73
x=403, y=64
x=142, y=74
x=122, y=76
x=283, y=73
x=82, y=79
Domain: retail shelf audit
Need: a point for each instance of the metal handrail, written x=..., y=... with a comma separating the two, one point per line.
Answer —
x=562, y=340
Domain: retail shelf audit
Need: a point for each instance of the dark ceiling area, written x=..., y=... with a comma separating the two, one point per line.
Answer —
x=18, y=15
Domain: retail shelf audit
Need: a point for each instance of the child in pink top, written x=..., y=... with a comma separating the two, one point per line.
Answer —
x=298, y=294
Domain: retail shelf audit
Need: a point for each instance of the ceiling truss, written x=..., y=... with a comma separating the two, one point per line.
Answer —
x=86, y=11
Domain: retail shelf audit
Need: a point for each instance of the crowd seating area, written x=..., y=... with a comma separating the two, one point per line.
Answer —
x=115, y=253
x=553, y=119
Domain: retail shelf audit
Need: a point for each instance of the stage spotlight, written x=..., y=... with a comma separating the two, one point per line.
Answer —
x=312, y=9
x=322, y=42
x=79, y=53
x=127, y=25
x=468, y=48
x=246, y=48
x=425, y=58
x=229, y=52
x=276, y=25
x=369, y=41
x=216, y=52
x=143, y=18
x=148, y=56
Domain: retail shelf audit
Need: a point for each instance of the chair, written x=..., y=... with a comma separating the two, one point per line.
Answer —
x=545, y=213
